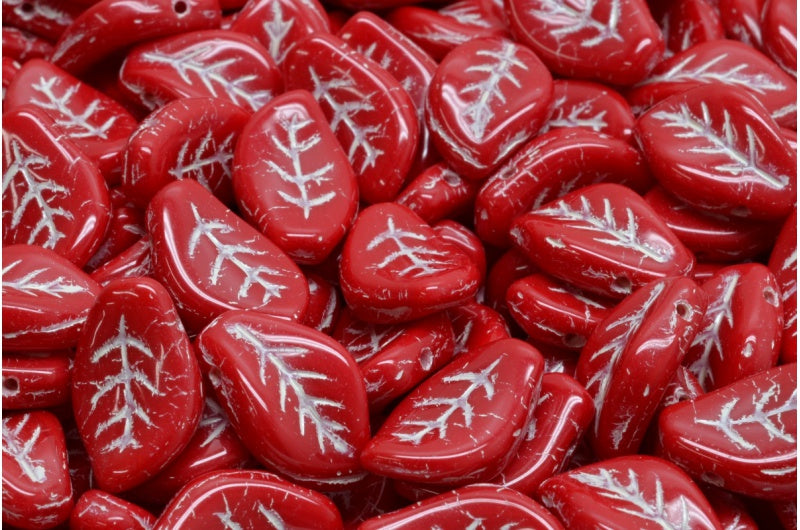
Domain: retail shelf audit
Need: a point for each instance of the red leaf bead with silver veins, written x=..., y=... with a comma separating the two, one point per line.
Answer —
x=589, y=105
x=210, y=63
x=742, y=437
x=603, y=238
x=395, y=268
x=45, y=299
x=292, y=179
x=37, y=492
x=411, y=66
x=724, y=62
x=211, y=261
x=462, y=424
x=547, y=168
x=280, y=24
x=716, y=148
x=628, y=492
x=631, y=358
x=295, y=396
x=114, y=25
x=371, y=115
x=486, y=99
x=97, y=124
x=740, y=334
x=247, y=499
x=96, y=509
x=190, y=138
x=135, y=372
x=53, y=194
x=616, y=42
x=470, y=507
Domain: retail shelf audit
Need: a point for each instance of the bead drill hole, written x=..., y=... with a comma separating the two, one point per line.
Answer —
x=683, y=310
x=622, y=285
x=770, y=296
x=10, y=385
x=180, y=7
x=573, y=340
x=27, y=8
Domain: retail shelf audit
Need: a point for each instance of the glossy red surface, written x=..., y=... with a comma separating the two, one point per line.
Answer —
x=742, y=165
x=295, y=397
x=617, y=43
x=305, y=197
x=726, y=62
x=438, y=193
x=740, y=334
x=742, y=437
x=486, y=99
x=55, y=196
x=395, y=358
x=411, y=66
x=562, y=413
x=779, y=29
x=45, y=299
x=191, y=138
x=712, y=236
x=471, y=505
x=476, y=325
x=462, y=424
x=22, y=45
x=37, y=492
x=213, y=447
x=34, y=381
x=592, y=106
x=631, y=358
x=98, y=509
x=135, y=372
x=210, y=63
x=395, y=269
x=641, y=491
x=439, y=33
x=110, y=26
x=379, y=133
x=280, y=24
x=211, y=261
x=554, y=312
x=783, y=264
x=250, y=498
x=690, y=22
x=134, y=262
x=547, y=168
x=603, y=238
